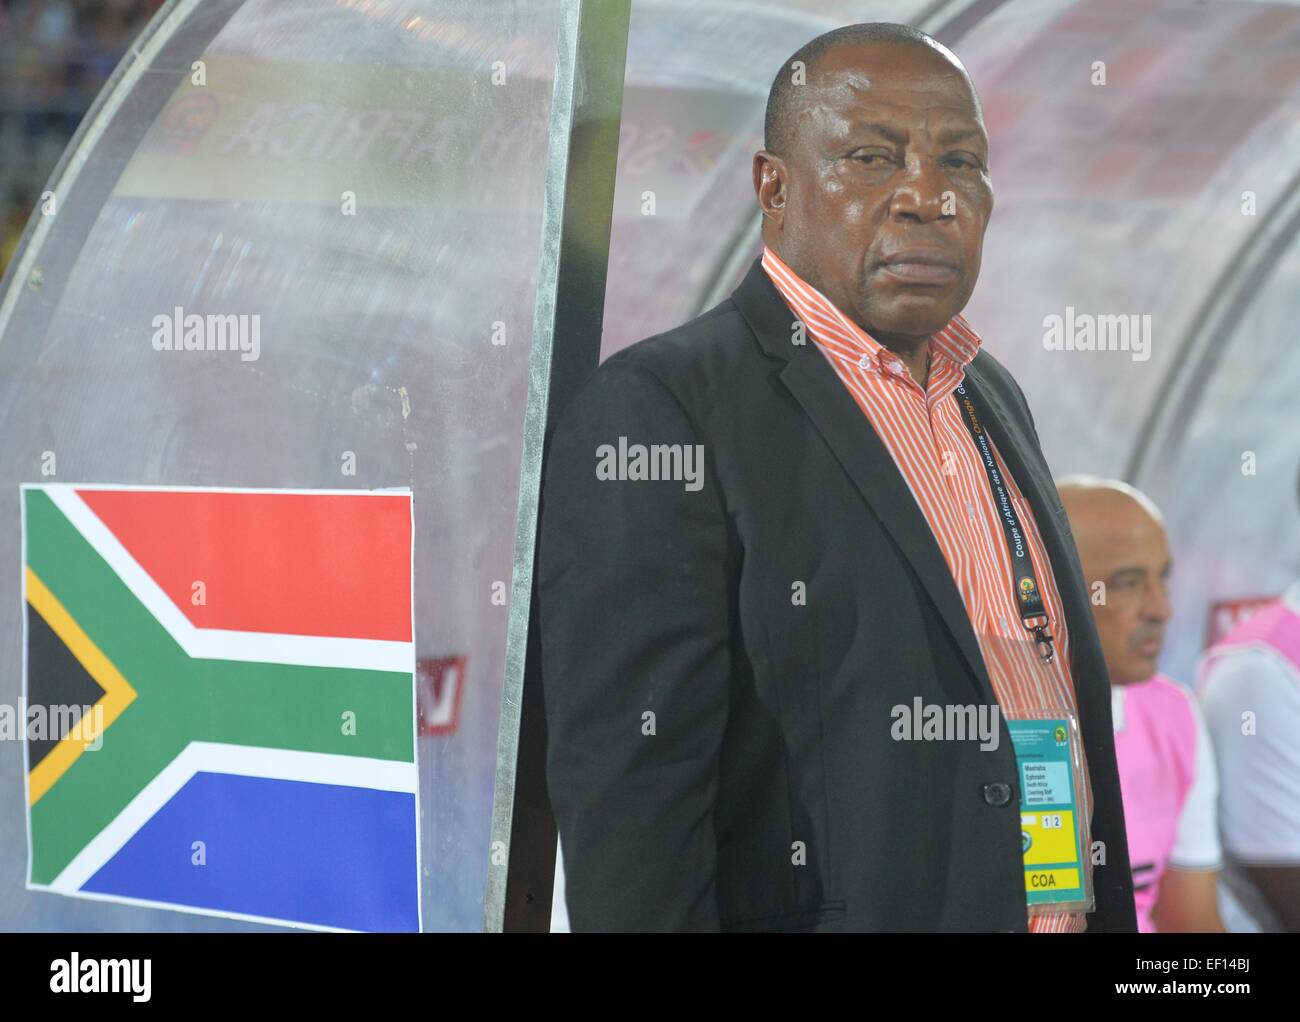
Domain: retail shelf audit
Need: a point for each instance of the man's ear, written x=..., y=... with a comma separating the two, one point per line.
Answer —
x=770, y=177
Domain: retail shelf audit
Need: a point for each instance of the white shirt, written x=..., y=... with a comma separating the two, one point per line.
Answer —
x=1259, y=808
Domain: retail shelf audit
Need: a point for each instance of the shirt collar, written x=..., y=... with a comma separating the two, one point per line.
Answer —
x=958, y=341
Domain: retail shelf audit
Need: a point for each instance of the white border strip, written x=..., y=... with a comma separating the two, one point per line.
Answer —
x=216, y=643
x=197, y=910
x=420, y=872
x=390, y=491
x=27, y=749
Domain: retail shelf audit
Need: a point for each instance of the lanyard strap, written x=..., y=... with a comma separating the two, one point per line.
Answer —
x=1028, y=594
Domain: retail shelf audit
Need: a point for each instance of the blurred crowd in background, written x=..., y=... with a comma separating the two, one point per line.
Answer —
x=54, y=57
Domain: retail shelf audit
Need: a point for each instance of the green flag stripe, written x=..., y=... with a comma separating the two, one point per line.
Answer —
x=285, y=706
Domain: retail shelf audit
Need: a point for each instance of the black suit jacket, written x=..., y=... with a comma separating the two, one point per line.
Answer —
x=719, y=754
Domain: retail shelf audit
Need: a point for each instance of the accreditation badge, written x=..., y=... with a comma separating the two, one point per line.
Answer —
x=1057, y=876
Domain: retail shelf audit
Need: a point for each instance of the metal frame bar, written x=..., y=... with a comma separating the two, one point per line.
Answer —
x=568, y=315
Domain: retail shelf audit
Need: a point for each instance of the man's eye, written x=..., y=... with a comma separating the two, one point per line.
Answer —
x=866, y=157
x=963, y=162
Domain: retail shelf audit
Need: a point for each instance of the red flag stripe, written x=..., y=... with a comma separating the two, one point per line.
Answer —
x=288, y=563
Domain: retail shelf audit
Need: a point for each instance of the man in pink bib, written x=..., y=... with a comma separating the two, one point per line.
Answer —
x=1250, y=687
x=1166, y=764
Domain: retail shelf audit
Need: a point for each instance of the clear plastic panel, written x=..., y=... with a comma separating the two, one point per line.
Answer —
x=367, y=177
x=1123, y=198
x=1232, y=507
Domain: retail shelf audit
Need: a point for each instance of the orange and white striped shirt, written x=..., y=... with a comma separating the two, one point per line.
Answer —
x=924, y=431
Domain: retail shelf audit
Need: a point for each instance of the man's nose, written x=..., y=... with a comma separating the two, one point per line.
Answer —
x=1156, y=605
x=922, y=193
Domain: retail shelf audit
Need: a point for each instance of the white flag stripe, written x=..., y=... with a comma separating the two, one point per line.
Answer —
x=219, y=644
x=392, y=491
x=243, y=917
x=224, y=758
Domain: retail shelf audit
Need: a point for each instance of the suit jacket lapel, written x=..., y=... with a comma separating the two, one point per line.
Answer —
x=869, y=464
x=863, y=455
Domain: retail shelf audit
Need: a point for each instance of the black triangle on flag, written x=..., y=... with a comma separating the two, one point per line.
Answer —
x=57, y=683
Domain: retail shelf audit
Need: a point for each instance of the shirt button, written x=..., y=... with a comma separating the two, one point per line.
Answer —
x=997, y=794
x=896, y=368
x=864, y=362
x=970, y=510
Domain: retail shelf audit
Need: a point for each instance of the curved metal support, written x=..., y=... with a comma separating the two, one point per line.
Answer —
x=1246, y=271
x=155, y=35
x=568, y=312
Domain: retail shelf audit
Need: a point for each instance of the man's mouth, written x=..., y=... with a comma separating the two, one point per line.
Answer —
x=920, y=266
x=1150, y=647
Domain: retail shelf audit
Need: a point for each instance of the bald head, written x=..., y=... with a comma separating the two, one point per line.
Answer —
x=1126, y=562
x=789, y=87
x=1087, y=492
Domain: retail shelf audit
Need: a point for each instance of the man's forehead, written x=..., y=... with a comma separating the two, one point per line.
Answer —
x=880, y=65
x=865, y=91
x=931, y=80
x=869, y=114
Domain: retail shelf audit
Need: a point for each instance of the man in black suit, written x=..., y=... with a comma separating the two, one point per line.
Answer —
x=748, y=577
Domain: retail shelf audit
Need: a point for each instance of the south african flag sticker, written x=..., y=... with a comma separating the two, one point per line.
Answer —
x=244, y=665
